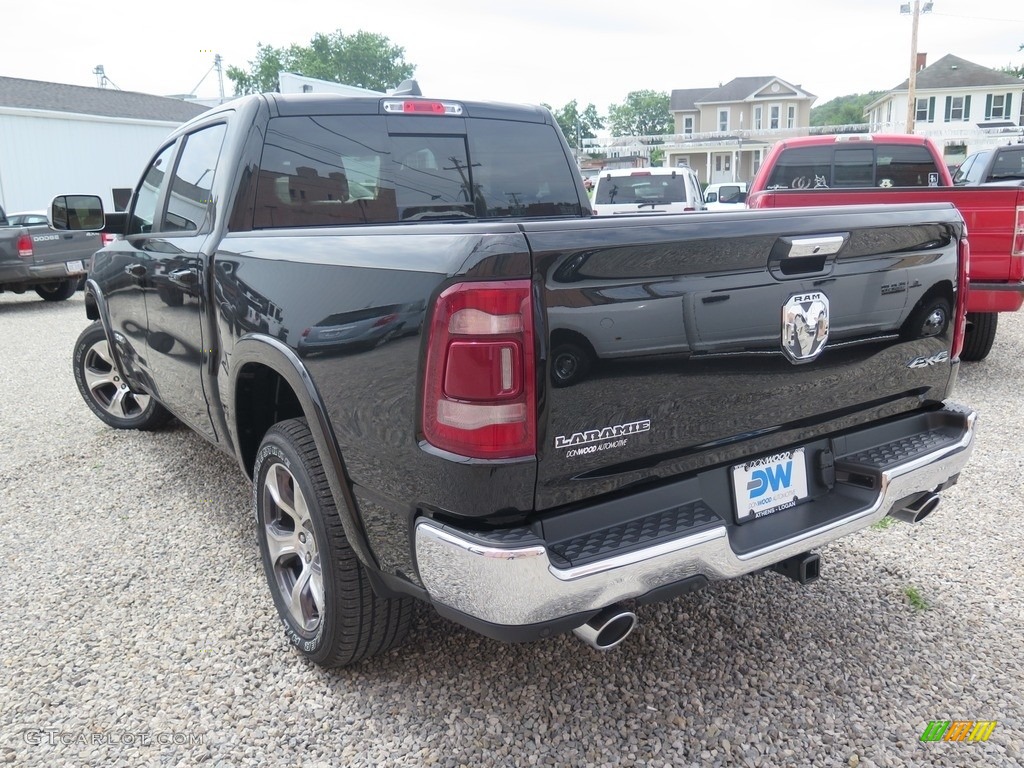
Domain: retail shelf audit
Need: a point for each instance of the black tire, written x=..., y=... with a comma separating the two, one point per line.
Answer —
x=61, y=291
x=570, y=363
x=305, y=551
x=981, y=332
x=103, y=390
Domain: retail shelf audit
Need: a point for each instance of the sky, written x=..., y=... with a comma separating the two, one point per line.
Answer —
x=527, y=51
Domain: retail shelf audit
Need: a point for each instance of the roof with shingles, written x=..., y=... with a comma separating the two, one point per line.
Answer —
x=737, y=89
x=740, y=88
x=952, y=72
x=685, y=99
x=103, y=102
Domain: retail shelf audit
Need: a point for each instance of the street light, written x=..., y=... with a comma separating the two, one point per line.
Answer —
x=917, y=10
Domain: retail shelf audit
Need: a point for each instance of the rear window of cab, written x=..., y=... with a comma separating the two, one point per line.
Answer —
x=640, y=189
x=340, y=170
x=872, y=166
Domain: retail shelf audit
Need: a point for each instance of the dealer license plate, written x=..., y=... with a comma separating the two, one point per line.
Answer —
x=74, y=267
x=769, y=484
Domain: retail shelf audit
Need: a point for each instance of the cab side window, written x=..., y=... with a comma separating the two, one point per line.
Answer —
x=191, y=191
x=148, y=194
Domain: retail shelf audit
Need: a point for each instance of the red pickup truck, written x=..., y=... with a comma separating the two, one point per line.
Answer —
x=859, y=169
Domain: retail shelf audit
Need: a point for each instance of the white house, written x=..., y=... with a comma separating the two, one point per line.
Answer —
x=58, y=138
x=961, y=105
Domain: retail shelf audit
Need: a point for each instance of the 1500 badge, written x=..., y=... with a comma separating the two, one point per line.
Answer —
x=605, y=433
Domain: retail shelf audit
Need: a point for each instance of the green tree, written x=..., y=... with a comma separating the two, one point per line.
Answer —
x=1017, y=71
x=843, y=110
x=577, y=125
x=364, y=59
x=644, y=113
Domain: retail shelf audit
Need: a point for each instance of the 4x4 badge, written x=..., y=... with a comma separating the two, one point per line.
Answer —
x=804, y=326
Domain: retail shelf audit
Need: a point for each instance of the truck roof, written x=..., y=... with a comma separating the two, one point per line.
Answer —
x=839, y=138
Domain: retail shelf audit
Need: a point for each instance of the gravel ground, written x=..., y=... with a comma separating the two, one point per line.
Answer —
x=139, y=630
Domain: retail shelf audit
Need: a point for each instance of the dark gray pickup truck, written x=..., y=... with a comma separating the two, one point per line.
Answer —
x=998, y=165
x=35, y=257
x=366, y=301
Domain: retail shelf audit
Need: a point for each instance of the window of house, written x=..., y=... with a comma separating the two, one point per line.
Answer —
x=757, y=118
x=723, y=119
x=687, y=126
x=999, y=107
x=774, y=120
x=958, y=108
x=888, y=112
x=791, y=116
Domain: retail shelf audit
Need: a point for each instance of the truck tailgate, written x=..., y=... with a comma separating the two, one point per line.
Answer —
x=688, y=323
x=52, y=247
x=990, y=213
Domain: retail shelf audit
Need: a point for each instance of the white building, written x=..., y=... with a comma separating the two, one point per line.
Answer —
x=57, y=138
x=288, y=82
x=963, y=106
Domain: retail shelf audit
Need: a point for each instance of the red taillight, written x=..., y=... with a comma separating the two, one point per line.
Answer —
x=1018, y=233
x=963, y=287
x=106, y=239
x=422, y=107
x=25, y=246
x=479, y=396
x=385, y=320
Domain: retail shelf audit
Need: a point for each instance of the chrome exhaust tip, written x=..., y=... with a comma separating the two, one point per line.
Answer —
x=608, y=628
x=918, y=510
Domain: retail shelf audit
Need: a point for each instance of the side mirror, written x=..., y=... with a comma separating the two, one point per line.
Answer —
x=76, y=213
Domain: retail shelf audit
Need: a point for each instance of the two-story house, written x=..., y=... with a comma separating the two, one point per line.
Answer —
x=723, y=133
x=961, y=105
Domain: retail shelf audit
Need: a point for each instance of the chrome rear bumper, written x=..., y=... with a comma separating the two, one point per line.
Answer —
x=514, y=583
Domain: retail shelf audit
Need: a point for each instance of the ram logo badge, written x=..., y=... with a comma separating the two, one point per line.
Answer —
x=804, y=326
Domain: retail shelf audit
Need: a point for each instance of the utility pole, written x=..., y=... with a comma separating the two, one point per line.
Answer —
x=219, y=64
x=912, y=83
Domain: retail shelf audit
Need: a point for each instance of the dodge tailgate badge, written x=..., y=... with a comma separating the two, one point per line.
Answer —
x=804, y=326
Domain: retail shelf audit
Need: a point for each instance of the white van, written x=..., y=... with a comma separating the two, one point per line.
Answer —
x=727, y=196
x=647, y=190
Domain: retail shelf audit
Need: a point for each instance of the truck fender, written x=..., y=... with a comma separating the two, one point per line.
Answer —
x=96, y=309
x=280, y=358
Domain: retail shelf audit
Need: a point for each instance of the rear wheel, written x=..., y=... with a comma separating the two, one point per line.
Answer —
x=61, y=291
x=105, y=392
x=981, y=333
x=320, y=588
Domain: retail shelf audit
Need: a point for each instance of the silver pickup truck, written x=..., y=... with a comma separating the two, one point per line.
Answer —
x=33, y=256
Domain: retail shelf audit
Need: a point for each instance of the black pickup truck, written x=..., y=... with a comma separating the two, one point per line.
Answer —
x=360, y=298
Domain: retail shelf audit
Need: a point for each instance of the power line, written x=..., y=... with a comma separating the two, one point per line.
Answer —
x=977, y=18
